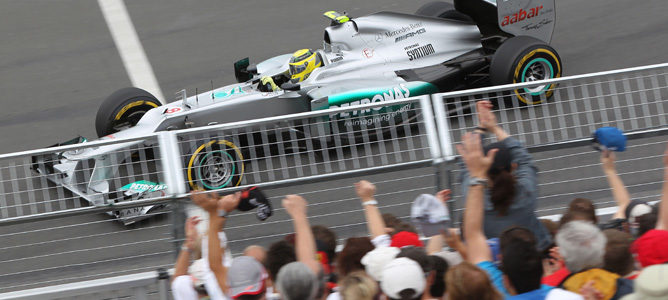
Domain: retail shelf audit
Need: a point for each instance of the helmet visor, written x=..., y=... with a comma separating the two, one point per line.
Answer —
x=298, y=68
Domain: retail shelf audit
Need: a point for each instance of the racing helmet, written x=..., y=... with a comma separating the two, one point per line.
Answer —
x=302, y=63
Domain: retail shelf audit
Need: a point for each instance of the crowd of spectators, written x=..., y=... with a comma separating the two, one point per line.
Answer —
x=501, y=251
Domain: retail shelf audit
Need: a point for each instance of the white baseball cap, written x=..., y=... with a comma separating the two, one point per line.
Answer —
x=400, y=274
x=651, y=284
x=375, y=260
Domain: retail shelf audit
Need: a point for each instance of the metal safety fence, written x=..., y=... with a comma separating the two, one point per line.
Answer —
x=51, y=235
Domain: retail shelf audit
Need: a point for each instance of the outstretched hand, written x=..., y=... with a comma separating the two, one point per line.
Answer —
x=206, y=200
x=608, y=160
x=486, y=118
x=229, y=202
x=471, y=151
x=443, y=196
x=365, y=190
x=295, y=205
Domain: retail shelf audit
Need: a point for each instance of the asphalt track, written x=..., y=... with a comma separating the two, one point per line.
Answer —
x=59, y=62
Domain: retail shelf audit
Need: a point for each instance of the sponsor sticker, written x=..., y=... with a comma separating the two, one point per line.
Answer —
x=335, y=59
x=227, y=93
x=130, y=212
x=368, y=53
x=411, y=46
x=409, y=35
x=397, y=92
x=144, y=186
x=402, y=30
x=420, y=52
x=538, y=25
x=521, y=15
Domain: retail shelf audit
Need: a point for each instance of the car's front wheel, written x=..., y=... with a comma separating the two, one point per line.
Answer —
x=123, y=109
x=215, y=164
x=526, y=59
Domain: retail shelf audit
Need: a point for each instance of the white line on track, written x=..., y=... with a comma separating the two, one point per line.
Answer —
x=130, y=48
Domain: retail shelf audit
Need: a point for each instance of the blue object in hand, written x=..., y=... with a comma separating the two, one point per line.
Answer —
x=609, y=138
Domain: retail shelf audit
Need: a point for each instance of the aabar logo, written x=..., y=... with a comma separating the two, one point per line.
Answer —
x=397, y=92
x=521, y=15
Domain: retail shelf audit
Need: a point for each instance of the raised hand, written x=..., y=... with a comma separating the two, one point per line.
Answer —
x=365, y=190
x=608, y=161
x=486, y=118
x=229, y=202
x=471, y=151
x=295, y=205
x=443, y=195
x=207, y=201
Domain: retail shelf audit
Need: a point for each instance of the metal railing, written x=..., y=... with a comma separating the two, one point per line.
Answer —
x=406, y=149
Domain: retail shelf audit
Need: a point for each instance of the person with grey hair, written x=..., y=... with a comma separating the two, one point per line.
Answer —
x=296, y=281
x=301, y=280
x=582, y=245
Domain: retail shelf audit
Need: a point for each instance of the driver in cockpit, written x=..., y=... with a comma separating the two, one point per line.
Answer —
x=301, y=64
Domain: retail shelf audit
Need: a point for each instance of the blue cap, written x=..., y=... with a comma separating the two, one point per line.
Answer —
x=609, y=138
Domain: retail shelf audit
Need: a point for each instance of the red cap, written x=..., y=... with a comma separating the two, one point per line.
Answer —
x=406, y=238
x=652, y=247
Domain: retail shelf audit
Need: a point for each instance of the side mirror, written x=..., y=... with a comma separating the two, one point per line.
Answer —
x=241, y=70
x=289, y=86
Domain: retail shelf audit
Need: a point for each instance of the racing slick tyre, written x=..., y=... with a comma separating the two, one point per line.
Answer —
x=123, y=109
x=526, y=59
x=215, y=164
x=444, y=10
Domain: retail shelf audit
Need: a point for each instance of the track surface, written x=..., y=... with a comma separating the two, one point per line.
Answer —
x=60, y=62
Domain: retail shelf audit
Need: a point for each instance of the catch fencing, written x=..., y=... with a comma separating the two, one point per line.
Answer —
x=51, y=236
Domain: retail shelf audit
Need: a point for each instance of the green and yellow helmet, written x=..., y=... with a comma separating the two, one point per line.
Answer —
x=302, y=63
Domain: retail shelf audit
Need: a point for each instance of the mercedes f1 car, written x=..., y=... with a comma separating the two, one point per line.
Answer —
x=373, y=58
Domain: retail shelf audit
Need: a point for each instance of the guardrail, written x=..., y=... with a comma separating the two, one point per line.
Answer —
x=323, y=153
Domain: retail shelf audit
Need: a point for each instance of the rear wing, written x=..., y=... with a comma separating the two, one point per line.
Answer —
x=534, y=18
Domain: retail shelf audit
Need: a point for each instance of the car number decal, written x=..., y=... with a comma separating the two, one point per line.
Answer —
x=172, y=110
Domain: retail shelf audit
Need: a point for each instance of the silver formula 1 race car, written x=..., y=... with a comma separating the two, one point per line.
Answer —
x=374, y=58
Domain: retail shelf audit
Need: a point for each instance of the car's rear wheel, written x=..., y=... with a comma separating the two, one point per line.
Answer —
x=123, y=109
x=526, y=59
x=215, y=164
x=444, y=10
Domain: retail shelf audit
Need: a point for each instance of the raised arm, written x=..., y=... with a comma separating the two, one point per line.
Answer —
x=374, y=220
x=487, y=120
x=619, y=192
x=477, y=164
x=662, y=222
x=304, y=241
x=218, y=210
x=183, y=261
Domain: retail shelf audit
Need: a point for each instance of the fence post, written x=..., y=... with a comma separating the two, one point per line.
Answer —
x=172, y=167
x=163, y=282
x=444, y=173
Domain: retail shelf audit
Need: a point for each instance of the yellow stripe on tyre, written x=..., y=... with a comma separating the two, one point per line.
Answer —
x=131, y=105
x=518, y=68
x=201, y=147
